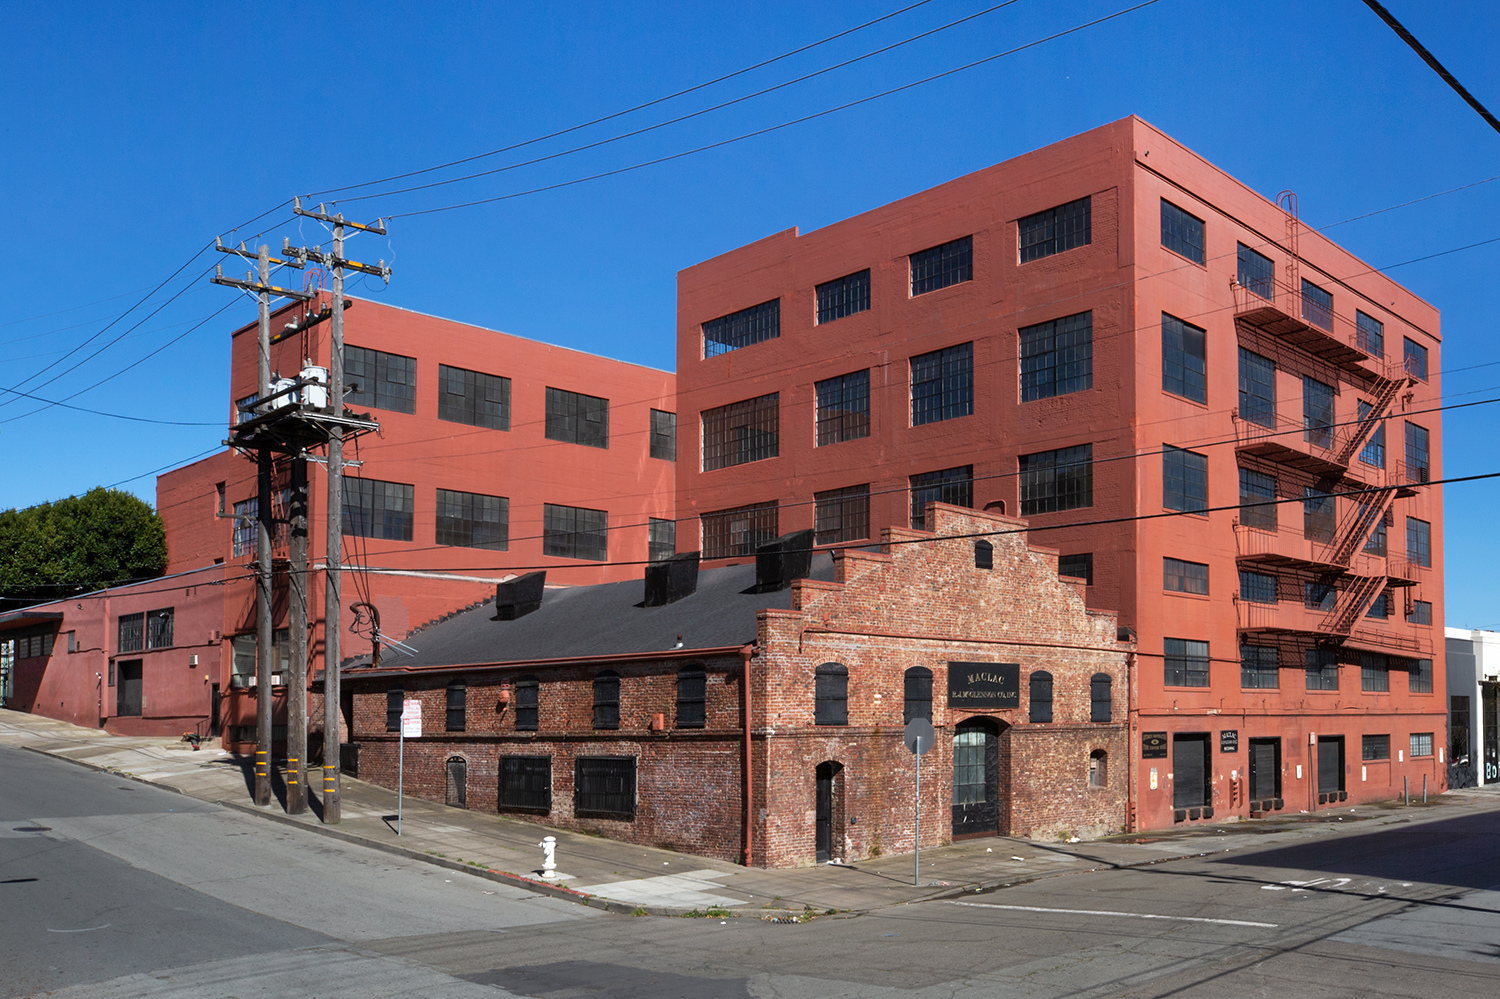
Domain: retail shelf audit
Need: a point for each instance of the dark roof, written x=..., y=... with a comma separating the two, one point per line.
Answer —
x=576, y=622
x=25, y=616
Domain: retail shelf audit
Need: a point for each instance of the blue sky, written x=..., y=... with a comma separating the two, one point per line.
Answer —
x=131, y=135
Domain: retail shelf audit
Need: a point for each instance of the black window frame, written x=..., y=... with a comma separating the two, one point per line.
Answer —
x=1101, y=698
x=1321, y=670
x=130, y=633
x=1318, y=412
x=1257, y=389
x=1182, y=576
x=1420, y=612
x=604, y=787
x=1319, y=594
x=159, y=625
x=741, y=432
x=1317, y=305
x=1067, y=562
x=1184, y=359
x=528, y=691
x=463, y=520
x=1374, y=748
x=841, y=515
x=1184, y=480
x=942, y=384
x=1057, y=356
x=663, y=435
x=1260, y=667
x=1419, y=676
x=831, y=694
x=692, y=697
x=843, y=296
x=1055, y=230
x=1057, y=480
x=379, y=513
x=1255, y=272
x=1374, y=673
x=1257, y=587
x=1257, y=499
x=1319, y=515
x=606, y=686
x=941, y=266
x=984, y=555
x=1185, y=662
x=1372, y=453
x=473, y=398
x=1419, y=542
x=1418, y=452
x=577, y=418
x=1414, y=358
x=661, y=539
x=954, y=486
x=1182, y=232
x=752, y=525
x=1369, y=334
x=524, y=784
x=455, y=706
x=916, y=689
x=1039, y=697
x=744, y=328
x=394, y=384
x=567, y=533
x=843, y=407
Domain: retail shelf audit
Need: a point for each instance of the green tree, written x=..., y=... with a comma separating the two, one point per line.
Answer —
x=103, y=538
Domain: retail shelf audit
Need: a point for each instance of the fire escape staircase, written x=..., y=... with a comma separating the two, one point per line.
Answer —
x=1357, y=525
x=1386, y=390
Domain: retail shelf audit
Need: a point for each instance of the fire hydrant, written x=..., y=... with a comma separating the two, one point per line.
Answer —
x=549, y=856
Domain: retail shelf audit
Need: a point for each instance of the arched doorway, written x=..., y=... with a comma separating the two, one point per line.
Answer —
x=458, y=782
x=979, y=806
x=830, y=811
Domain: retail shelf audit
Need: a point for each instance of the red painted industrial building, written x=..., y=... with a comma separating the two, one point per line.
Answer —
x=1224, y=422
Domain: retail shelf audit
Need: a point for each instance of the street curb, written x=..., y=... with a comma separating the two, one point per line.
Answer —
x=104, y=770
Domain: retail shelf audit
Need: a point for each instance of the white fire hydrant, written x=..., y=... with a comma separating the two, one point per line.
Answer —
x=549, y=856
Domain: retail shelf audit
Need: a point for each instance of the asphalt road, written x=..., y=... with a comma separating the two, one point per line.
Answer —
x=132, y=891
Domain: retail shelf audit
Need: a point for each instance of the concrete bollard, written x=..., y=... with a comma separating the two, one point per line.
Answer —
x=549, y=856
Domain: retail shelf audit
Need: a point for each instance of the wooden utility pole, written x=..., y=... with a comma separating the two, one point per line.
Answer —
x=296, y=690
x=263, y=527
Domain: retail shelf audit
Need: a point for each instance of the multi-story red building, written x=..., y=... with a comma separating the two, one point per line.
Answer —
x=1226, y=423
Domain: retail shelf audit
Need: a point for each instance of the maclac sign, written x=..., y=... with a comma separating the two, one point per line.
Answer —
x=984, y=685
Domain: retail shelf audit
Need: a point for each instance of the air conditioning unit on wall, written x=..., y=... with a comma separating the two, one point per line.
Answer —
x=192, y=661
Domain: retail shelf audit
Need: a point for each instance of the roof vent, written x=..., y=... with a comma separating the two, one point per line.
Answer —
x=779, y=562
x=518, y=597
x=671, y=579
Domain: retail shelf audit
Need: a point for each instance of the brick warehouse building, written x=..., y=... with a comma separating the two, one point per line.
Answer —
x=1110, y=329
x=591, y=710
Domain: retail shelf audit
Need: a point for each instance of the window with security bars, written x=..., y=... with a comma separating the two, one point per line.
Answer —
x=1039, y=697
x=473, y=520
x=1420, y=613
x=575, y=418
x=1101, y=698
x=1184, y=364
x=1416, y=452
x=380, y=380
x=1414, y=358
x=525, y=784
x=692, y=697
x=132, y=633
x=1374, y=747
x=843, y=407
x=663, y=435
x=1419, y=676
x=1318, y=514
x=1258, y=665
x=954, y=486
x=970, y=776
x=473, y=397
x=246, y=513
x=1184, y=480
x=917, y=702
x=1185, y=662
x=1184, y=577
x=606, y=699
x=1317, y=412
x=743, y=328
x=738, y=531
x=1319, y=595
x=1418, y=542
x=831, y=695
x=1322, y=669
x=1056, y=230
x=662, y=539
x=604, y=787
x=1257, y=587
x=1257, y=389
x=1254, y=271
x=1380, y=607
x=455, y=715
x=843, y=296
x=1421, y=744
x=1317, y=305
x=742, y=432
x=1057, y=357
x=1257, y=499
x=1052, y=481
x=1080, y=566
x=528, y=703
x=1375, y=544
x=1373, y=453
x=1181, y=232
x=842, y=514
x=159, y=629
x=376, y=509
x=575, y=532
x=941, y=266
x=942, y=384
x=1369, y=334
x=1374, y=672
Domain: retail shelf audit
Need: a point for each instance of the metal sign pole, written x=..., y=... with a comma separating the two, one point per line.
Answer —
x=919, y=737
x=400, y=779
x=917, y=823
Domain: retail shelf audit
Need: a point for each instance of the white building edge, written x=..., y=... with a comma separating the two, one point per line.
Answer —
x=1473, y=667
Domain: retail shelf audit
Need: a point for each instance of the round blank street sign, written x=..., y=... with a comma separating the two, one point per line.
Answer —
x=919, y=735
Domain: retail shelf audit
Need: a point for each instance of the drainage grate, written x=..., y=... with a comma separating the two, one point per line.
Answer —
x=32, y=829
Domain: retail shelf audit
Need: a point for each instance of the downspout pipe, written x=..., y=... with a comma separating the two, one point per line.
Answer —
x=746, y=653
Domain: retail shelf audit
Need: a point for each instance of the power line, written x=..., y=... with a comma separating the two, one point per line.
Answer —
x=1431, y=60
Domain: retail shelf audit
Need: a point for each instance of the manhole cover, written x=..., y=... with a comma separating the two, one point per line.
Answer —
x=32, y=829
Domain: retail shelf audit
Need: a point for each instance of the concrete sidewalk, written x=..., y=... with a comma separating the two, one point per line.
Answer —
x=629, y=878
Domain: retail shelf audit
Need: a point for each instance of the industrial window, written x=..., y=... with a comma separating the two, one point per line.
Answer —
x=1186, y=662
x=1380, y=607
x=473, y=397
x=1375, y=544
x=1101, y=705
x=662, y=539
x=1317, y=412
x=1098, y=768
x=844, y=407
x=1184, y=577
x=663, y=435
x=984, y=555
x=1258, y=667
x=1057, y=357
x=1255, y=271
x=473, y=520
x=831, y=695
x=376, y=509
x=742, y=328
x=1322, y=669
x=741, y=432
x=1184, y=480
x=1318, y=510
x=246, y=513
x=1319, y=595
x=1057, y=480
x=132, y=633
x=1257, y=389
x=380, y=380
x=1080, y=566
x=1369, y=334
x=606, y=699
x=458, y=700
x=575, y=532
x=1039, y=697
x=970, y=777
x=692, y=697
x=1184, y=364
x=604, y=787
x=1317, y=305
x=528, y=692
x=395, y=703
x=843, y=296
x=1056, y=229
x=525, y=784
x=1420, y=613
x=954, y=486
x=918, y=695
x=1257, y=499
x=1418, y=541
x=1421, y=744
x=842, y=514
x=576, y=418
x=1257, y=587
x=1373, y=453
x=159, y=629
x=1414, y=358
x=941, y=266
x=942, y=384
x=1416, y=452
x=242, y=411
x=738, y=531
x=1375, y=747
x=1181, y=233
x=1374, y=672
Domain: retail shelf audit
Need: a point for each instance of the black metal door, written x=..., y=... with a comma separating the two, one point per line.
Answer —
x=128, y=688
x=976, y=778
x=215, y=719
x=1330, y=764
x=1190, y=770
x=1265, y=769
x=458, y=780
x=825, y=812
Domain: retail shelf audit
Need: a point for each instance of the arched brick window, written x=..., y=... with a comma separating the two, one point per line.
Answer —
x=1098, y=768
x=1040, y=709
x=1099, y=698
x=831, y=695
x=984, y=555
x=918, y=694
x=527, y=698
x=458, y=700
x=606, y=699
x=692, y=695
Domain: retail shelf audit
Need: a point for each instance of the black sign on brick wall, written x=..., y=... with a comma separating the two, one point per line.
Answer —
x=1229, y=740
x=1153, y=745
x=984, y=685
